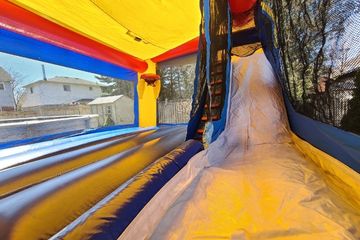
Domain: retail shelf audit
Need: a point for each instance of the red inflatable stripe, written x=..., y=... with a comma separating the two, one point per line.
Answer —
x=237, y=8
x=19, y=20
x=184, y=49
x=241, y=6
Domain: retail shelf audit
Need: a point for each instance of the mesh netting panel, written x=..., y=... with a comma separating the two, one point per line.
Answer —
x=320, y=52
x=245, y=50
x=219, y=56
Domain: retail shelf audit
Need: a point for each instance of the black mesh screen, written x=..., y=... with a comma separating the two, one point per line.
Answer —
x=209, y=93
x=245, y=50
x=218, y=55
x=320, y=52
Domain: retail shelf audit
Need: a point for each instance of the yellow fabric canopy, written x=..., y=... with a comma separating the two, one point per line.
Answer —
x=161, y=25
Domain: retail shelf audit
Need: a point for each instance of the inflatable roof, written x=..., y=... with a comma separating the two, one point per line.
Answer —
x=125, y=36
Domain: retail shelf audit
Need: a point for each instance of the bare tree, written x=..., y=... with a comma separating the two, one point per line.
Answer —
x=115, y=86
x=16, y=82
x=310, y=34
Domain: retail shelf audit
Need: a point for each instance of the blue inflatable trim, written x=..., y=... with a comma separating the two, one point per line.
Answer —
x=121, y=207
x=342, y=145
x=17, y=44
x=20, y=45
x=158, y=174
x=219, y=125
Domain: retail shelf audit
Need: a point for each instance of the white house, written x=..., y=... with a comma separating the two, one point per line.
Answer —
x=6, y=94
x=119, y=108
x=58, y=91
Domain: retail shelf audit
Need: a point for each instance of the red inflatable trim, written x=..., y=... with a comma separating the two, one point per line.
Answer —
x=19, y=20
x=237, y=8
x=241, y=6
x=184, y=49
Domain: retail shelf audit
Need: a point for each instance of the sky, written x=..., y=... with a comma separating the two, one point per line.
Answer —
x=352, y=34
x=31, y=70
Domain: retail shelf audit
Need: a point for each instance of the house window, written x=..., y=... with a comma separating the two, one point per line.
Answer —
x=67, y=88
x=2, y=87
x=90, y=88
x=31, y=90
x=108, y=110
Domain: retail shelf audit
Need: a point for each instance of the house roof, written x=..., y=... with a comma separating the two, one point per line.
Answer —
x=67, y=80
x=4, y=75
x=104, y=100
x=348, y=66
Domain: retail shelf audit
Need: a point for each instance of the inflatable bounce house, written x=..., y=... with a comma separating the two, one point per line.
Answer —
x=272, y=148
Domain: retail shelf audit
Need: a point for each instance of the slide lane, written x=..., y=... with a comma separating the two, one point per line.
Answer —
x=254, y=182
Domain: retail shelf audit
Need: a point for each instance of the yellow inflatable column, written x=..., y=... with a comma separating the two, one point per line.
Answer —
x=148, y=94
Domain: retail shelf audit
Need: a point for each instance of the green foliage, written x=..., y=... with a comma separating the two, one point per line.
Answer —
x=177, y=82
x=114, y=86
x=314, y=41
x=351, y=120
x=109, y=121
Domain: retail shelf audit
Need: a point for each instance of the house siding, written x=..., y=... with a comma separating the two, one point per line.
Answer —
x=52, y=93
x=6, y=96
x=122, y=111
